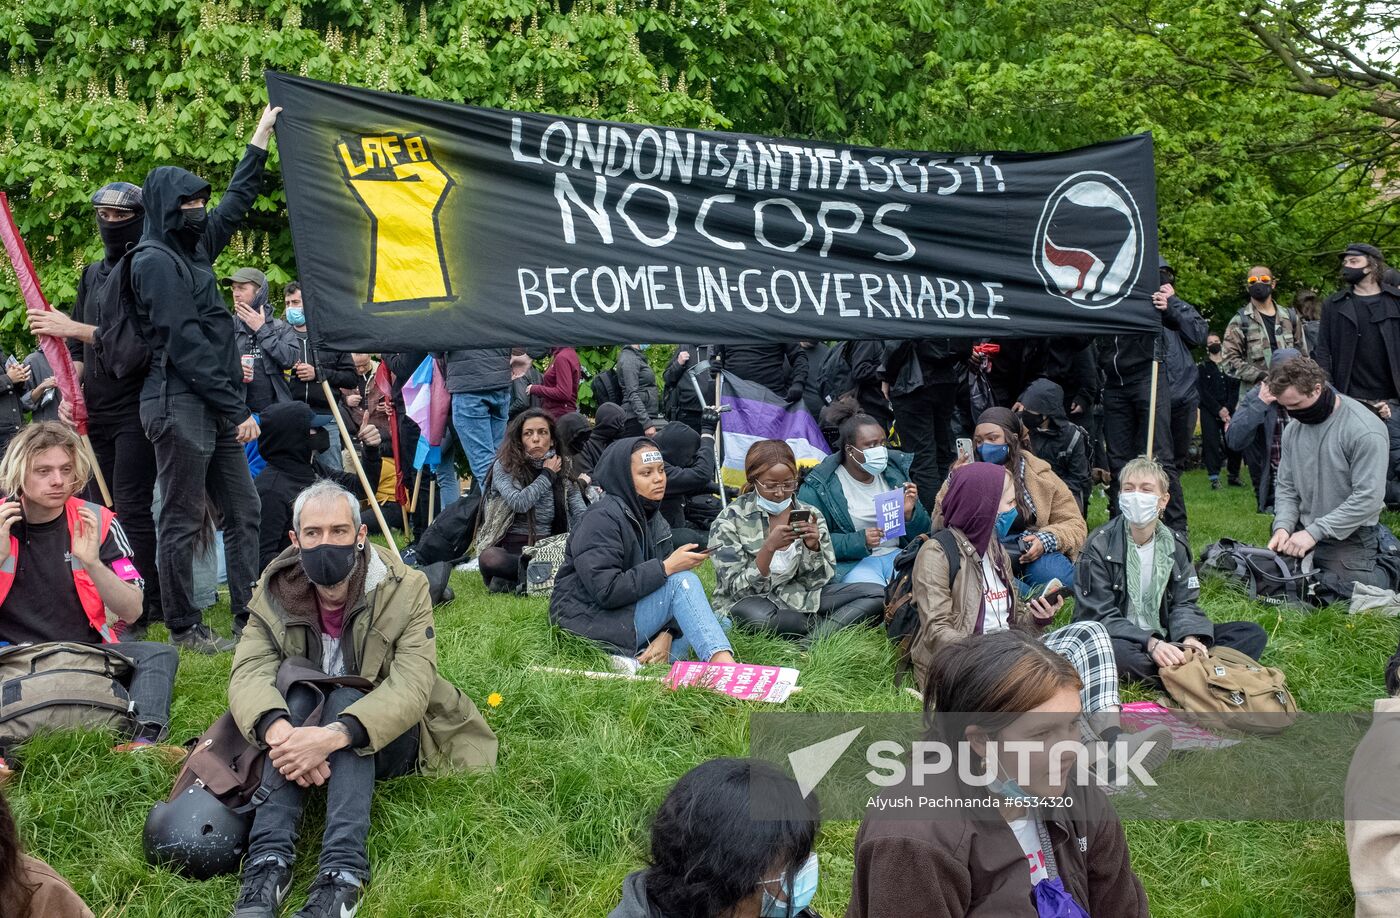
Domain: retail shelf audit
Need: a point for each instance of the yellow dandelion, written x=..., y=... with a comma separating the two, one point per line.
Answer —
x=494, y=699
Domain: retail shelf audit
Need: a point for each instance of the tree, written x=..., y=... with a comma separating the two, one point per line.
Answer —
x=1257, y=158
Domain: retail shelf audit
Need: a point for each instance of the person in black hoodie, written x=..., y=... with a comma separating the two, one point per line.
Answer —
x=1057, y=439
x=607, y=428
x=289, y=443
x=124, y=454
x=192, y=406
x=690, y=481
x=622, y=584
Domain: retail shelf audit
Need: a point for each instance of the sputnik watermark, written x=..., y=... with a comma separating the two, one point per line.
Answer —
x=1012, y=765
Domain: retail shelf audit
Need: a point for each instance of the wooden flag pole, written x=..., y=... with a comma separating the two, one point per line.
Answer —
x=97, y=471
x=1152, y=411
x=413, y=499
x=360, y=470
x=432, y=498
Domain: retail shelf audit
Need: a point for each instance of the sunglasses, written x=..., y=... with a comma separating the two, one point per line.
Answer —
x=1259, y=279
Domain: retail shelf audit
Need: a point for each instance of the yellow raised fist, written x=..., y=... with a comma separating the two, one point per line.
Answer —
x=402, y=189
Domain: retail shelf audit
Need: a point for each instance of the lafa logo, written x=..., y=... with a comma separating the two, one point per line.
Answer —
x=401, y=187
x=1089, y=245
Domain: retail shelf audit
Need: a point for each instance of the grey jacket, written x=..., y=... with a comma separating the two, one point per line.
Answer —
x=484, y=370
x=276, y=347
x=1101, y=590
x=1331, y=476
x=640, y=397
x=536, y=497
x=11, y=412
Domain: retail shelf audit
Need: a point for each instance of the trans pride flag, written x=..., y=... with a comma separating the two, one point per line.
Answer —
x=426, y=401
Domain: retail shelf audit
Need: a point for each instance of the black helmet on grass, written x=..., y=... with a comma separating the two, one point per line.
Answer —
x=196, y=835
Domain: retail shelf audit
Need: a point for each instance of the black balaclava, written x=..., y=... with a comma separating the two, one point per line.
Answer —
x=613, y=474
x=119, y=236
x=1319, y=410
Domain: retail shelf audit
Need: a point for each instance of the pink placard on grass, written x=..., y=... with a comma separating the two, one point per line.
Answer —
x=745, y=681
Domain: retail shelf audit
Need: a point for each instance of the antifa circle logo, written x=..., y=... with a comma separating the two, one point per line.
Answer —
x=402, y=189
x=1089, y=245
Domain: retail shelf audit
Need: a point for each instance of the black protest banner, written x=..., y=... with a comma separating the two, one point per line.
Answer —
x=423, y=225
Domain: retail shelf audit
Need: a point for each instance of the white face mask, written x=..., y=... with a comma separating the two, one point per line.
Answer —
x=1138, y=508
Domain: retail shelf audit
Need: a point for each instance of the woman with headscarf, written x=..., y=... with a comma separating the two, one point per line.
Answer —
x=531, y=494
x=979, y=504
x=774, y=561
x=607, y=429
x=623, y=584
x=1048, y=529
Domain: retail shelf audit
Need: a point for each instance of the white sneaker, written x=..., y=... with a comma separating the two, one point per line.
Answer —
x=628, y=666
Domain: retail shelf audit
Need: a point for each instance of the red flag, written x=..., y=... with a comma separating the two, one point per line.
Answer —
x=65, y=374
x=384, y=382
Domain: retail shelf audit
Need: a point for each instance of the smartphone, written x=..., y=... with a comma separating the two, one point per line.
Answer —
x=704, y=551
x=1049, y=592
x=965, y=448
x=11, y=361
x=800, y=516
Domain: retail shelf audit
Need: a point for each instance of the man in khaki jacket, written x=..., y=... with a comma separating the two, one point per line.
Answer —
x=351, y=609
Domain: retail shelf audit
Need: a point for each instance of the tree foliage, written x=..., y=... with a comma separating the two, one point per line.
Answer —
x=1275, y=122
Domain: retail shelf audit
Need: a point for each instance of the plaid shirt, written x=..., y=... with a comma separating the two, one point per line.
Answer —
x=1047, y=540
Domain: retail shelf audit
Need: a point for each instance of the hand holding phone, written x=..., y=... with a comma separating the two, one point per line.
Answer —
x=964, y=449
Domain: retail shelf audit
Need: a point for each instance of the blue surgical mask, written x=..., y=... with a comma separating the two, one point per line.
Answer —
x=296, y=316
x=994, y=453
x=877, y=459
x=772, y=506
x=1005, y=520
x=800, y=889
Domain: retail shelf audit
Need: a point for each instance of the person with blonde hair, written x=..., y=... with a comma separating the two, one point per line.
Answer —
x=1135, y=576
x=66, y=572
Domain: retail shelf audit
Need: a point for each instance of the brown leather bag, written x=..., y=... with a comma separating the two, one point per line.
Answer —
x=1229, y=690
x=233, y=769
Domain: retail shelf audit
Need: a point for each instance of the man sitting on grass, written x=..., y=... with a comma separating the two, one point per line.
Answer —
x=1135, y=576
x=1331, y=479
x=66, y=571
x=353, y=609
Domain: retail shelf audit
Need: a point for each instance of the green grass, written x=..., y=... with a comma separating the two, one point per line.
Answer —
x=583, y=764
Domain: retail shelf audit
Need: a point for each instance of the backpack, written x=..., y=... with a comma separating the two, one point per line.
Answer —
x=607, y=387
x=902, y=622
x=62, y=685
x=1230, y=691
x=120, y=344
x=1270, y=577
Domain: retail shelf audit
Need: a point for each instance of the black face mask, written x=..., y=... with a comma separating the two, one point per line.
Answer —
x=1260, y=292
x=1032, y=420
x=1353, y=275
x=319, y=440
x=119, y=235
x=1167, y=276
x=650, y=506
x=1318, y=411
x=326, y=564
x=192, y=224
x=1214, y=348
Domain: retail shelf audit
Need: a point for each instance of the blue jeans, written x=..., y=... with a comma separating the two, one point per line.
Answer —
x=1049, y=566
x=877, y=569
x=480, y=421
x=683, y=599
x=330, y=457
x=449, y=486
